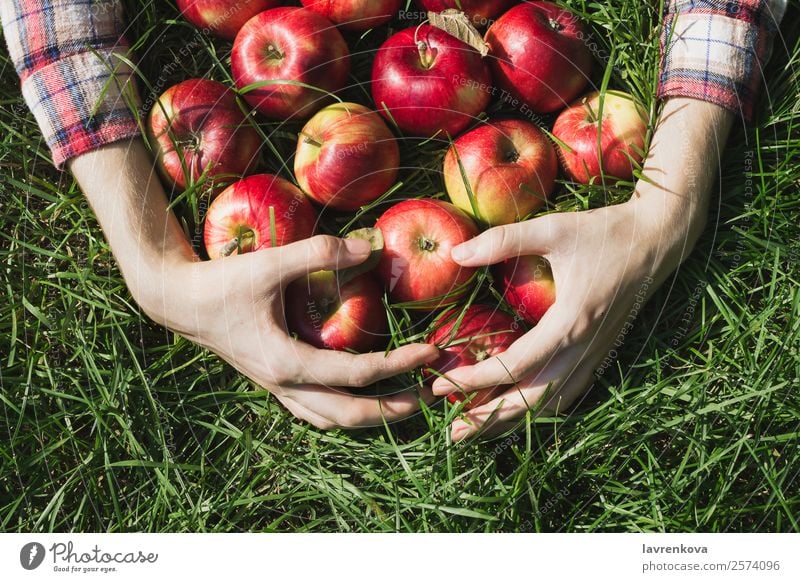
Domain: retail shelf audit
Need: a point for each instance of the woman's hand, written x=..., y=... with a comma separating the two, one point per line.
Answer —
x=605, y=264
x=234, y=306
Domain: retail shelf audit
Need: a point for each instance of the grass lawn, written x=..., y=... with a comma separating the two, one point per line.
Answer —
x=110, y=423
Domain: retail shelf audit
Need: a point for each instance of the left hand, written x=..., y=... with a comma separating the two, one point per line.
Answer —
x=605, y=264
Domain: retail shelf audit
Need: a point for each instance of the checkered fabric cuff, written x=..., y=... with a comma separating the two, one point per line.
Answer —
x=67, y=54
x=82, y=102
x=715, y=50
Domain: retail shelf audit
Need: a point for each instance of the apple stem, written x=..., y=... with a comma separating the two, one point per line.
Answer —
x=189, y=143
x=229, y=248
x=593, y=117
x=274, y=53
x=425, y=55
x=310, y=140
x=427, y=245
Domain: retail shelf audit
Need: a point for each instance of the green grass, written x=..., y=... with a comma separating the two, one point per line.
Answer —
x=109, y=423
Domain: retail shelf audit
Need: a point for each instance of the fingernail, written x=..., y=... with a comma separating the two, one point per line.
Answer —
x=442, y=387
x=458, y=430
x=462, y=252
x=433, y=356
x=357, y=246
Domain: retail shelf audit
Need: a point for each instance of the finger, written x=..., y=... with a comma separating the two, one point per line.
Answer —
x=531, y=352
x=330, y=368
x=573, y=390
x=298, y=259
x=302, y=413
x=555, y=389
x=497, y=416
x=532, y=237
x=345, y=410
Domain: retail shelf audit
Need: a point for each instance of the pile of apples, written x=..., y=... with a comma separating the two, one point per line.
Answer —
x=289, y=63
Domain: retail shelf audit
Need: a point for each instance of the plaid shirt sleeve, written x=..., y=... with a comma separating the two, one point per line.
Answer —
x=66, y=53
x=715, y=50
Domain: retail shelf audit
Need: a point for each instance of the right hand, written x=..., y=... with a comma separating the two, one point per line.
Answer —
x=235, y=307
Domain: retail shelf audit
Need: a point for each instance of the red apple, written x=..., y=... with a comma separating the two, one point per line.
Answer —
x=247, y=215
x=483, y=332
x=346, y=156
x=355, y=15
x=539, y=57
x=222, y=17
x=622, y=131
x=480, y=11
x=415, y=263
x=528, y=286
x=299, y=49
x=196, y=127
x=333, y=317
x=430, y=82
x=510, y=167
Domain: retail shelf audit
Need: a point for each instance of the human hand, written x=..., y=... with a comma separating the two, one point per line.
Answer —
x=235, y=308
x=605, y=264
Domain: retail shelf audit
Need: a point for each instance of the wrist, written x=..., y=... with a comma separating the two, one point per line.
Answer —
x=683, y=213
x=150, y=247
x=159, y=285
x=669, y=230
x=670, y=203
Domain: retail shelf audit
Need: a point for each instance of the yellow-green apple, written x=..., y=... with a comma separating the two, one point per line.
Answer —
x=539, y=57
x=416, y=264
x=510, y=167
x=346, y=156
x=480, y=11
x=333, y=316
x=196, y=127
x=616, y=123
x=289, y=60
x=428, y=82
x=222, y=17
x=355, y=15
x=482, y=332
x=256, y=213
x=528, y=286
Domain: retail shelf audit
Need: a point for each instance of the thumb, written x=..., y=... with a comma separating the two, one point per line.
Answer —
x=532, y=237
x=320, y=253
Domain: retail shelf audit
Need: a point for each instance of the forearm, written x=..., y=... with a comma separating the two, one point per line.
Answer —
x=681, y=167
x=712, y=68
x=124, y=191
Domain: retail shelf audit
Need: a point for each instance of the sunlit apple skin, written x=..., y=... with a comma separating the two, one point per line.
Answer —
x=510, y=166
x=330, y=317
x=492, y=333
x=623, y=131
x=306, y=48
x=355, y=15
x=538, y=55
x=443, y=94
x=223, y=18
x=198, y=122
x=480, y=11
x=346, y=157
x=528, y=286
x=242, y=212
x=415, y=264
